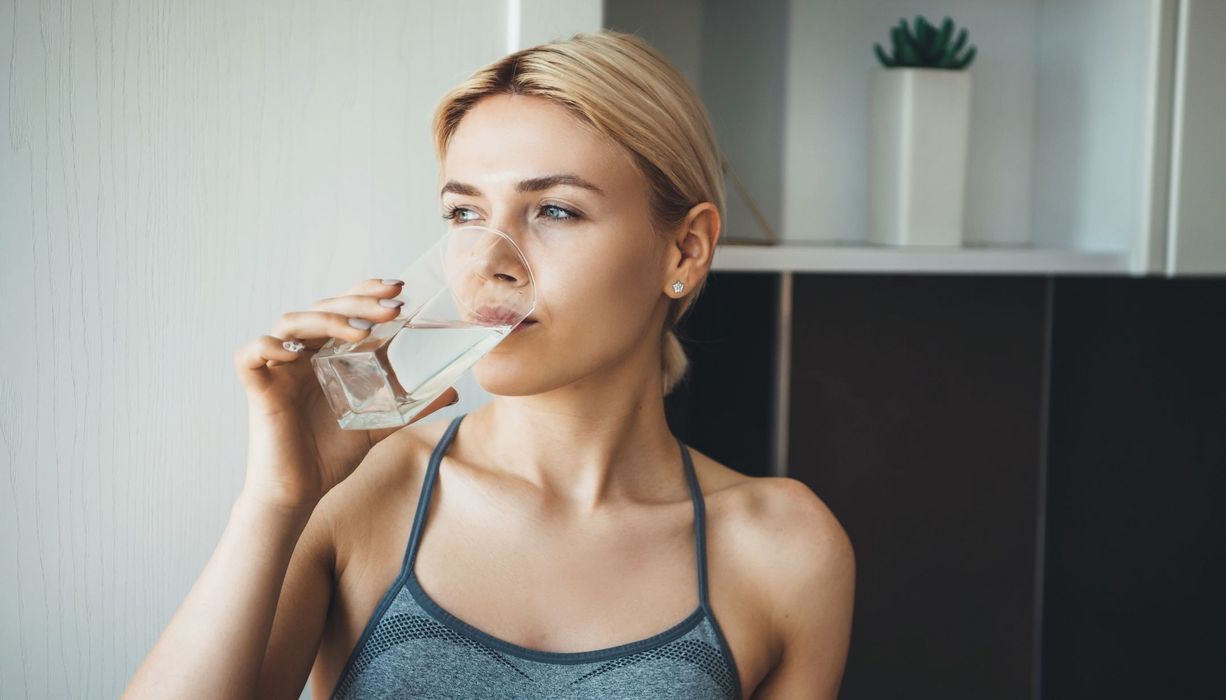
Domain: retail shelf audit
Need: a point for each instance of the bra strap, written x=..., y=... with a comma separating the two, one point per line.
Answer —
x=427, y=488
x=700, y=526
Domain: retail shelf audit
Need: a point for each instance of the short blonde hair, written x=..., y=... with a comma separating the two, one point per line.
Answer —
x=628, y=91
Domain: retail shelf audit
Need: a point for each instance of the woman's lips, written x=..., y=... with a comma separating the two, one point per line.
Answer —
x=496, y=315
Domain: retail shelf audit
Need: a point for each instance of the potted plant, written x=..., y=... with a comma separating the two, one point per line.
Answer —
x=919, y=113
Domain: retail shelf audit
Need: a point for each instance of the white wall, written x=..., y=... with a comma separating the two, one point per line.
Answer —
x=1094, y=165
x=724, y=47
x=1197, y=242
x=172, y=178
x=830, y=65
x=1065, y=145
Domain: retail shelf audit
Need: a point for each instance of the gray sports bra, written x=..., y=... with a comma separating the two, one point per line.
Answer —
x=413, y=648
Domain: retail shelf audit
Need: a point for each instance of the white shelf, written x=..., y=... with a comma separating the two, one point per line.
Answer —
x=806, y=257
x=1073, y=144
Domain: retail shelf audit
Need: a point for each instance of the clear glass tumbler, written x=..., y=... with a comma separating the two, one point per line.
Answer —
x=461, y=298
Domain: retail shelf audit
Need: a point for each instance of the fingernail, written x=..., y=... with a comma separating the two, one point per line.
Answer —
x=360, y=323
x=392, y=282
x=391, y=303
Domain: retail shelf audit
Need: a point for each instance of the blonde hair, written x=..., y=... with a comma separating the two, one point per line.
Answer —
x=628, y=91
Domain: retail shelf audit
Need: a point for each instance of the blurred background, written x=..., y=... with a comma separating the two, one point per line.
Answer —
x=1023, y=435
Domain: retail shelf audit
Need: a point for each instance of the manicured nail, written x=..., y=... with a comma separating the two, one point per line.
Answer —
x=391, y=303
x=360, y=323
x=391, y=282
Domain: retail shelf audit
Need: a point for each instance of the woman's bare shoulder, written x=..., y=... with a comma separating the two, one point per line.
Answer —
x=401, y=456
x=383, y=489
x=765, y=500
x=775, y=526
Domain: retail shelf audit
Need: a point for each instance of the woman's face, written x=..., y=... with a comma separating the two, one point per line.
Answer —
x=597, y=264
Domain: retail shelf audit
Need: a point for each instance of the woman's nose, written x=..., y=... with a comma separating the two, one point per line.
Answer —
x=501, y=261
x=502, y=268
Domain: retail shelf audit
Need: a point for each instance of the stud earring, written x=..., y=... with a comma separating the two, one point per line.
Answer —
x=678, y=286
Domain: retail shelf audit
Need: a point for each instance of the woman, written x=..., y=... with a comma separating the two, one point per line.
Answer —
x=574, y=548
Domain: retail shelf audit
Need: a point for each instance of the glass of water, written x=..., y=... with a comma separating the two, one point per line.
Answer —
x=461, y=298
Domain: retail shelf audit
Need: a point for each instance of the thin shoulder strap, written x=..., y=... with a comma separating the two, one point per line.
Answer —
x=427, y=488
x=700, y=522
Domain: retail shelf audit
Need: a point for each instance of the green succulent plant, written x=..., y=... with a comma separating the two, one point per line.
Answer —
x=926, y=47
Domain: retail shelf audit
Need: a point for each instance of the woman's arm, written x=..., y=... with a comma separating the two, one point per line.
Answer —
x=218, y=642
x=813, y=591
x=215, y=644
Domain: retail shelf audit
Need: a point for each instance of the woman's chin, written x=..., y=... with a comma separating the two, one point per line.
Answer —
x=506, y=374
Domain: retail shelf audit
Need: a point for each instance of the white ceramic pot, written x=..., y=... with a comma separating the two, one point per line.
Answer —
x=917, y=156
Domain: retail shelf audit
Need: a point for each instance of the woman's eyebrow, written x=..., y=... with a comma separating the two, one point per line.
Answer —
x=534, y=184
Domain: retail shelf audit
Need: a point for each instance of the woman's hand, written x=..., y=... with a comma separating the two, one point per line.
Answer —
x=296, y=450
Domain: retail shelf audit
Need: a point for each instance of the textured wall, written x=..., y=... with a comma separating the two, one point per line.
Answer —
x=173, y=176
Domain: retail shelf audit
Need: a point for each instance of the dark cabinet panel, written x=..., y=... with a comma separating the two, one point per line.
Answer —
x=1135, y=594
x=915, y=415
x=950, y=422
x=725, y=406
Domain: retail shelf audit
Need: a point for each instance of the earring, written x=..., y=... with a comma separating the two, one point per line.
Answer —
x=678, y=286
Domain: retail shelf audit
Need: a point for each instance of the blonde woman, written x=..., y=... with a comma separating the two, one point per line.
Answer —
x=559, y=541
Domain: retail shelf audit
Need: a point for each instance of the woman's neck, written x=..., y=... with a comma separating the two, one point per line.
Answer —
x=583, y=446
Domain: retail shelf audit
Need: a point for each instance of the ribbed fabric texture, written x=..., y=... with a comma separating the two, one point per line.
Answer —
x=413, y=648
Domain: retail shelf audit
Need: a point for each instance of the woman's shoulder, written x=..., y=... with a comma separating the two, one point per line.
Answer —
x=791, y=518
x=779, y=551
x=383, y=490
x=399, y=457
x=761, y=505
x=774, y=526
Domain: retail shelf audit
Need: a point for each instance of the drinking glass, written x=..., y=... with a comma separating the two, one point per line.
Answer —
x=461, y=298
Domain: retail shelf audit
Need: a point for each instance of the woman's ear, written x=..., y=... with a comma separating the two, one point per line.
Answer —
x=691, y=248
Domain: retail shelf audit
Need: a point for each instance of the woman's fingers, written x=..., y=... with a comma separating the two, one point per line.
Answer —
x=372, y=299
x=260, y=352
x=374, y=309
x=347, y=318
x=376, y=287
x=314, y=328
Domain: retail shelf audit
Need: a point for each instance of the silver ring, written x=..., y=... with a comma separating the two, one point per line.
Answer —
x=293, y=345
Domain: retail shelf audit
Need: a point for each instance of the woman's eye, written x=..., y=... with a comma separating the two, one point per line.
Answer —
x=455, y=214
x=553, y=211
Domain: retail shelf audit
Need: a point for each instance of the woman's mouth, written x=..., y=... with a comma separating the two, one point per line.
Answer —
x=497, y=315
